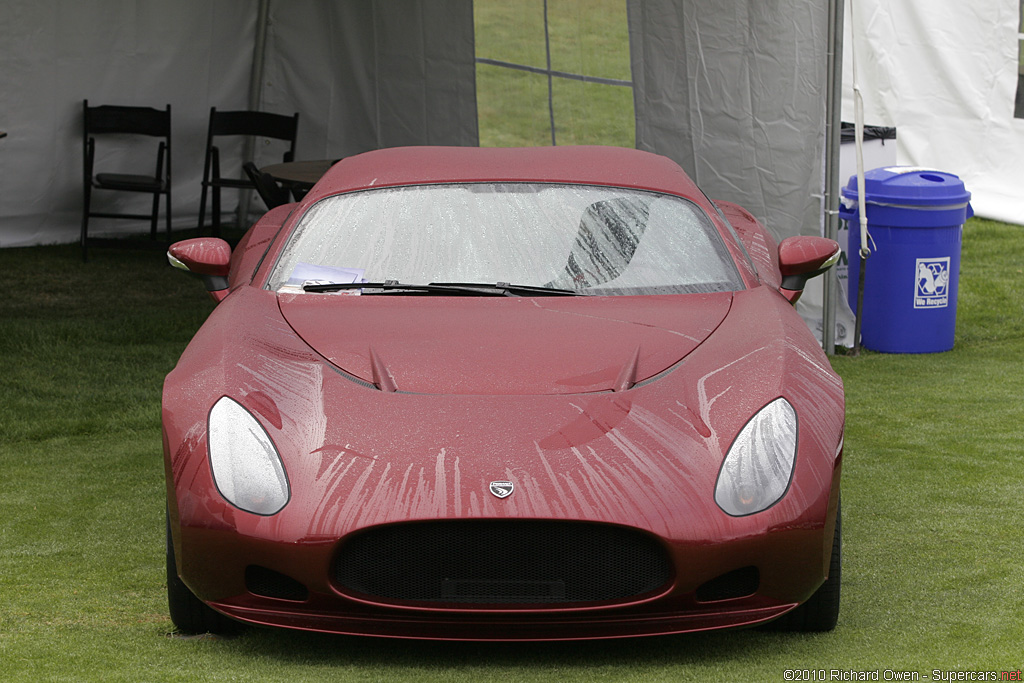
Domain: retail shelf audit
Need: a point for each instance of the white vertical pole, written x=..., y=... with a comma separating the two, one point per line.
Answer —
x=833, y=125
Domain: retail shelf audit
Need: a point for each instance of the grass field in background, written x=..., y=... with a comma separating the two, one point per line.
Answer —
x=587, y=37
x=932, y=483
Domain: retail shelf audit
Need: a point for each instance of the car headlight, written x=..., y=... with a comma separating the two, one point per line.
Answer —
x=759, y=465
x=246, y=466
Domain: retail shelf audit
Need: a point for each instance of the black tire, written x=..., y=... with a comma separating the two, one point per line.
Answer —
x=189, y=614
x=821, y=611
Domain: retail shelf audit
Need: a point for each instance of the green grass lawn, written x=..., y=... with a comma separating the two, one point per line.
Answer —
x=932, y=484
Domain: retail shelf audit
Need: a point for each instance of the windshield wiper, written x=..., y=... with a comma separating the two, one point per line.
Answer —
x=397, y=287
x=451, y=288
x=512, y=290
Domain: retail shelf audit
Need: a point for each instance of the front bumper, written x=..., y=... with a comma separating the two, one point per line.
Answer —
x=319, y=615
x=790, y=559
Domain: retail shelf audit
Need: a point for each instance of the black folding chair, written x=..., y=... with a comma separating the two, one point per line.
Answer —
x=239, y=123
x=107, y=121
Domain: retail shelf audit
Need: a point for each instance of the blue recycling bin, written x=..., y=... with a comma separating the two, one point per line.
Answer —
x=915, y=219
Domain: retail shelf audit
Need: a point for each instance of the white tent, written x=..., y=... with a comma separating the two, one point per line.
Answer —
x=726, y=93
x=737, y=95
x=945, y=75
x=354, y=70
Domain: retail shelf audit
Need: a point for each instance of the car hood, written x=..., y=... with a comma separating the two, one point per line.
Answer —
x=357, y=456
x=507, y=345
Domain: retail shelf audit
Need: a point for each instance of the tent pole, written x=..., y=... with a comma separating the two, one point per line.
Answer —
x=258, y=56
x=833, y=125
x=255, y=92
x=551, y=100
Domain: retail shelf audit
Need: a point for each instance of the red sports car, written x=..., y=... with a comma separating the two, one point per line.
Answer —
x=504, y=394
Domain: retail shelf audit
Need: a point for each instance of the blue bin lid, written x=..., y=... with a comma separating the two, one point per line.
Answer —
x=909, y=186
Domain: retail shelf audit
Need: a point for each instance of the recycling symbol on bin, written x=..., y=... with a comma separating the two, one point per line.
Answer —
x=932, y=284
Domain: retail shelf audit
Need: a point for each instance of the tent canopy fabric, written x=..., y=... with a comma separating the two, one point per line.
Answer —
x=373, y=77
x=736, y=96
x=945, y=75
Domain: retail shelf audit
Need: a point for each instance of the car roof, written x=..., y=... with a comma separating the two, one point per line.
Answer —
x=587, y=165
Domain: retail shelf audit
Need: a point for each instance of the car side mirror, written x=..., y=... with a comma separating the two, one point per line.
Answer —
x=801, y=258
x=207, y=257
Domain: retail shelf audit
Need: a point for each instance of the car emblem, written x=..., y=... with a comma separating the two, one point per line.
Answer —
x=502, y=489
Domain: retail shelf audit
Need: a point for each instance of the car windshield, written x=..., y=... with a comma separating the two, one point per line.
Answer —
x=587, y=239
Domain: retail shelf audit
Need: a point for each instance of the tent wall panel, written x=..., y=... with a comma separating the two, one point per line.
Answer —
x=737, y=98
x=328, y=60
x=371, y=74
x=191, y=53
x=945, y=74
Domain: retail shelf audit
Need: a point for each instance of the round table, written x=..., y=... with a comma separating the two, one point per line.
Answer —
x=300, y=175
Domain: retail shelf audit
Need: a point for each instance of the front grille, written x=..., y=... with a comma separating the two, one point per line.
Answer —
x=501, y=562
